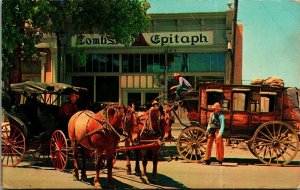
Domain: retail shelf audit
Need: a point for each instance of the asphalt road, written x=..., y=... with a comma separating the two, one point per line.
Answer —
x=239, y=170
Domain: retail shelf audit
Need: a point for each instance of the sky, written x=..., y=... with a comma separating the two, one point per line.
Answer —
x=271, y=36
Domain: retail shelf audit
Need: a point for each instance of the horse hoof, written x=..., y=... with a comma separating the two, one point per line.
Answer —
x=75, y=178
x=128, y=171
x=145, y=180
x=83, y=178
x=97, y=185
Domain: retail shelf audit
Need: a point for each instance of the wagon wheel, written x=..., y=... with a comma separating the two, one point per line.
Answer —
x=250, y=146
x=191, y=144
x=275, y=143
x=12, y=144
x=59, y=150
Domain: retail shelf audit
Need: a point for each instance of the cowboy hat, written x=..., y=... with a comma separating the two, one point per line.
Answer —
x=176, y=75
x=155, y=102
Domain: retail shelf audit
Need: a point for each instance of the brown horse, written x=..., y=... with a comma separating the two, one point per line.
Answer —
x=159, y=131
x=99, y=132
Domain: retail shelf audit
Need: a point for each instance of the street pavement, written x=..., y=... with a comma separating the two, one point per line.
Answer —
x=239, y=170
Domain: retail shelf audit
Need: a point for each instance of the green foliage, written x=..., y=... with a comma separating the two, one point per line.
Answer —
x=122, y=20
x=80, y=56
x=24, y=22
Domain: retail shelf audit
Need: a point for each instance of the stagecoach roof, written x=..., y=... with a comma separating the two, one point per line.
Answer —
x=33, y=87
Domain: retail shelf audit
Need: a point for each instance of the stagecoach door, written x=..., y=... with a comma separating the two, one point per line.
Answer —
x=240, y=115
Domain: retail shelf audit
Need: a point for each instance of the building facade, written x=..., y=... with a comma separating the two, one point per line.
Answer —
x=197, y=45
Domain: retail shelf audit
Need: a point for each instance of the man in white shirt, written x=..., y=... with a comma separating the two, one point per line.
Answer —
x=184, y=85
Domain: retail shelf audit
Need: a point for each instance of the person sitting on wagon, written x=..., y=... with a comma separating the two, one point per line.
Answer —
x=184, y=85
x=66, y=110
x=214, y=131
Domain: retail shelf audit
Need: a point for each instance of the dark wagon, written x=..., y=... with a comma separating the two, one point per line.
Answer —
x=31, y=124
x=267, y=118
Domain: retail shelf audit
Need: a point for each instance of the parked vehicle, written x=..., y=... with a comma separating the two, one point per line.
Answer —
x=267, y=118
x=32, y=125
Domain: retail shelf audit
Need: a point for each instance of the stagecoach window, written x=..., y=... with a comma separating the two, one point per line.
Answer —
x=240, y=101
x=267, y=103
x=213, y=97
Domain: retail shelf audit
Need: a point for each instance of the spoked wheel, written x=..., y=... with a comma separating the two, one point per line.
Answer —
x=191, y=144
x=275, y=143
x=59, y=150
x=251, y=148
x=12, y=144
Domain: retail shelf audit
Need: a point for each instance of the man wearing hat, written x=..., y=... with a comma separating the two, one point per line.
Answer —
x=184, y=85
x=154, y=115
x=214, y=131
x=67, y=109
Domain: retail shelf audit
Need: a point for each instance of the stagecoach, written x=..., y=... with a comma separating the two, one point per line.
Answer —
x=266, y=117
x=31, y=125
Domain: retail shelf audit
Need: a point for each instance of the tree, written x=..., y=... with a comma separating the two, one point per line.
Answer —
x=25, y=21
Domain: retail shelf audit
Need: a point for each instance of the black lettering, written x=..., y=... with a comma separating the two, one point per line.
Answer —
x=185, y=39
x=176, y=39
x=155, y=39
x=195, y=39
x=96, y=41
x=164, y=40
x=203, y=37
x=103, y=40
x=88, y=41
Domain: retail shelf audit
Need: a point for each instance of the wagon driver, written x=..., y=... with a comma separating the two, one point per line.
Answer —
x=184, y=85
x=66, y=110
x=214, y=131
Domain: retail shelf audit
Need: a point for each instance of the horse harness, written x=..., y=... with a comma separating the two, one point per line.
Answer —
x=105, y=125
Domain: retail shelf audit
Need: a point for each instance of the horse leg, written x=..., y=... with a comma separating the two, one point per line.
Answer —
x=128, y=165
x=155, y=162
x=75, y=156
x=110, y=181
x=84, y=153
x=137, y=162
x=144, y=173
x=98, y=166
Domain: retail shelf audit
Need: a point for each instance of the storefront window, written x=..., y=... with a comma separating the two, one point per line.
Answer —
x=107, y=89
x=94, y=63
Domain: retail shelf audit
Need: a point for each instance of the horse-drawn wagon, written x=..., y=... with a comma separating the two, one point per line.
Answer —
x=266, y=117
x=31, y=125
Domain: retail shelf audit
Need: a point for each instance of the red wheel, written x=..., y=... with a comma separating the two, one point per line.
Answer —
x=59, y=150
x=13, y=145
